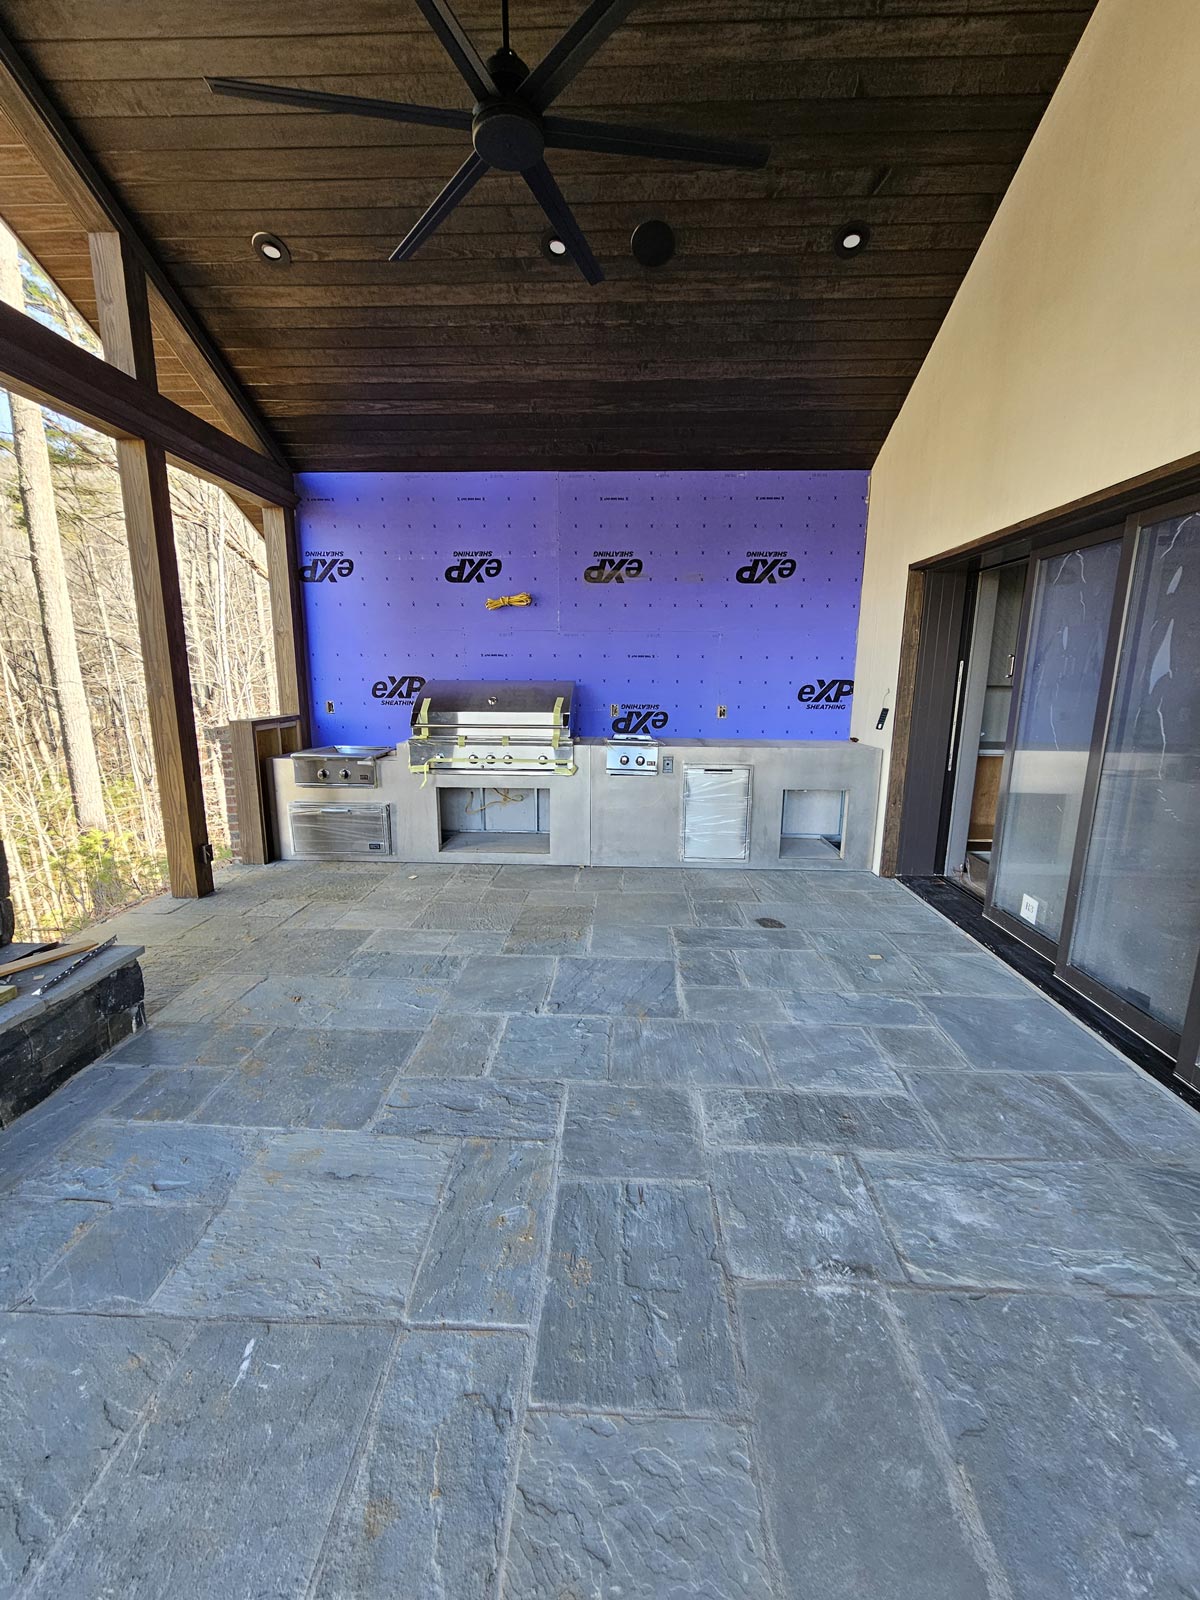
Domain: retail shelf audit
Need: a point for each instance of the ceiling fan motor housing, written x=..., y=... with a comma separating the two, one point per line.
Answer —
x=507, y=134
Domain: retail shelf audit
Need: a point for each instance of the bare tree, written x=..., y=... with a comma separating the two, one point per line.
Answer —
x=36, y=490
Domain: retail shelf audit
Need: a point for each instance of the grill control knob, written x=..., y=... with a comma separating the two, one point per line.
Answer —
x=624, y=761
x=322, y=772
x=641, y=761
x=344, y=773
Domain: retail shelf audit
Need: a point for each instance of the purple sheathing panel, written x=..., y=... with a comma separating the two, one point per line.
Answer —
x=666, y=594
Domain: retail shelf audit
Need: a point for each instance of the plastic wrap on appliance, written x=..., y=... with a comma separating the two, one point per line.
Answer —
x=716, y=813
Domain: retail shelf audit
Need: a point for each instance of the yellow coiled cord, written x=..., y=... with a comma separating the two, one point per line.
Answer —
x=509, y=600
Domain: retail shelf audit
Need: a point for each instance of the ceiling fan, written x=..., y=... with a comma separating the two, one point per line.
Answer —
x=509, y=127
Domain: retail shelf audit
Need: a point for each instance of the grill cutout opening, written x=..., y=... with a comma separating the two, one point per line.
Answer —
x=501, y=820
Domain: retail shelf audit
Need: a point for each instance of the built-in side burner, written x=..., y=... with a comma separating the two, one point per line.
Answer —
x=352, y=766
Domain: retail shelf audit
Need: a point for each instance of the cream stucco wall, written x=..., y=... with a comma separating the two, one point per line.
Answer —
x=1070, y=359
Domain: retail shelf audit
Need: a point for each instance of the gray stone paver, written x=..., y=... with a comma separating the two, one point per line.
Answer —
x=859, y=1486
x=1088, y=1496
x=58, y=1435
x=424, y=1514
x=630, y=1131
x=228, y=1484
x=582, y=1526
x=486, y=1253
x=789, y=1214
x=635, y=1317
x=514, y=1233
x=323, y=1225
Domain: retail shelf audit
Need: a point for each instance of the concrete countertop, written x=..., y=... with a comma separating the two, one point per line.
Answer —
x=673, y=742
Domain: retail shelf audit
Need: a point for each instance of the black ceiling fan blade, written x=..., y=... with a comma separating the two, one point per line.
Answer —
x=573, y=51
x=460, y=185
x=658, y=144
x=552, y=201
x=352, y=104
x=458, y=47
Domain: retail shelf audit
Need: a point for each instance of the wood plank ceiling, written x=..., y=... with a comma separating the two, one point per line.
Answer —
x=756, y=346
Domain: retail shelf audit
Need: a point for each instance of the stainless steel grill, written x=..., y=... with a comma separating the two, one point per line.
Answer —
x=494, y=727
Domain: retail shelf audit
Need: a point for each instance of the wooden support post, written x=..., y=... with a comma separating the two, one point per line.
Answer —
x=287, y=615
x=128, y=343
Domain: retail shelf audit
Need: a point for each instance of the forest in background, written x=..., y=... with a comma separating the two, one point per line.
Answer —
x=79, y=810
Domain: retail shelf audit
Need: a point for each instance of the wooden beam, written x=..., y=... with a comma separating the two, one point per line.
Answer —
x=124, y=317
x=37, y=362
x=121, y=307
x=46, y=135
x=151, y=534
x=287, y=616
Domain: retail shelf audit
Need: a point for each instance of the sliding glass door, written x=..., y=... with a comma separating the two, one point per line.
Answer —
x=1135, y=931
x=1097, y=857
x=1071, y=608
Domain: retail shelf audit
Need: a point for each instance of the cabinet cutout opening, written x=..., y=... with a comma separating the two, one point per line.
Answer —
x=813, y=823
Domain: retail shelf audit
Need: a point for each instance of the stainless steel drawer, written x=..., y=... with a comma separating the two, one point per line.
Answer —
x=331, y=833
x=716, y=813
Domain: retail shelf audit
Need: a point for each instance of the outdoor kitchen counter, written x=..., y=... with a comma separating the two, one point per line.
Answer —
x=598, y=819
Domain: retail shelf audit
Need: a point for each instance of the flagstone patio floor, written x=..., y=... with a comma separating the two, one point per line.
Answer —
x=467, y=1231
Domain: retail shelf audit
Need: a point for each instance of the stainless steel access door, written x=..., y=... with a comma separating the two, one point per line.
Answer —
x=716, y=813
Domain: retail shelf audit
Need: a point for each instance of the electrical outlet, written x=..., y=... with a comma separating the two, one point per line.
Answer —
x=668, y=763
x=329, y=707
x=613, y=709
x=722, y=711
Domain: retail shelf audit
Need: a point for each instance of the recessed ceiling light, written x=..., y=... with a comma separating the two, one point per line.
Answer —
x=553, y=247
x=653, y=243
x=851, y=239
x=272, y=249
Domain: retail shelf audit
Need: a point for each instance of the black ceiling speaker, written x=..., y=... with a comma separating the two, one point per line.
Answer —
x=509, y=127
x=653, y=243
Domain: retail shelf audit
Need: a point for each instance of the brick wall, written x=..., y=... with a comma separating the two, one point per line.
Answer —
x=231, y=811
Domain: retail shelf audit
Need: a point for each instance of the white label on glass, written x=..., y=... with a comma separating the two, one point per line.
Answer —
x=1029, y=908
